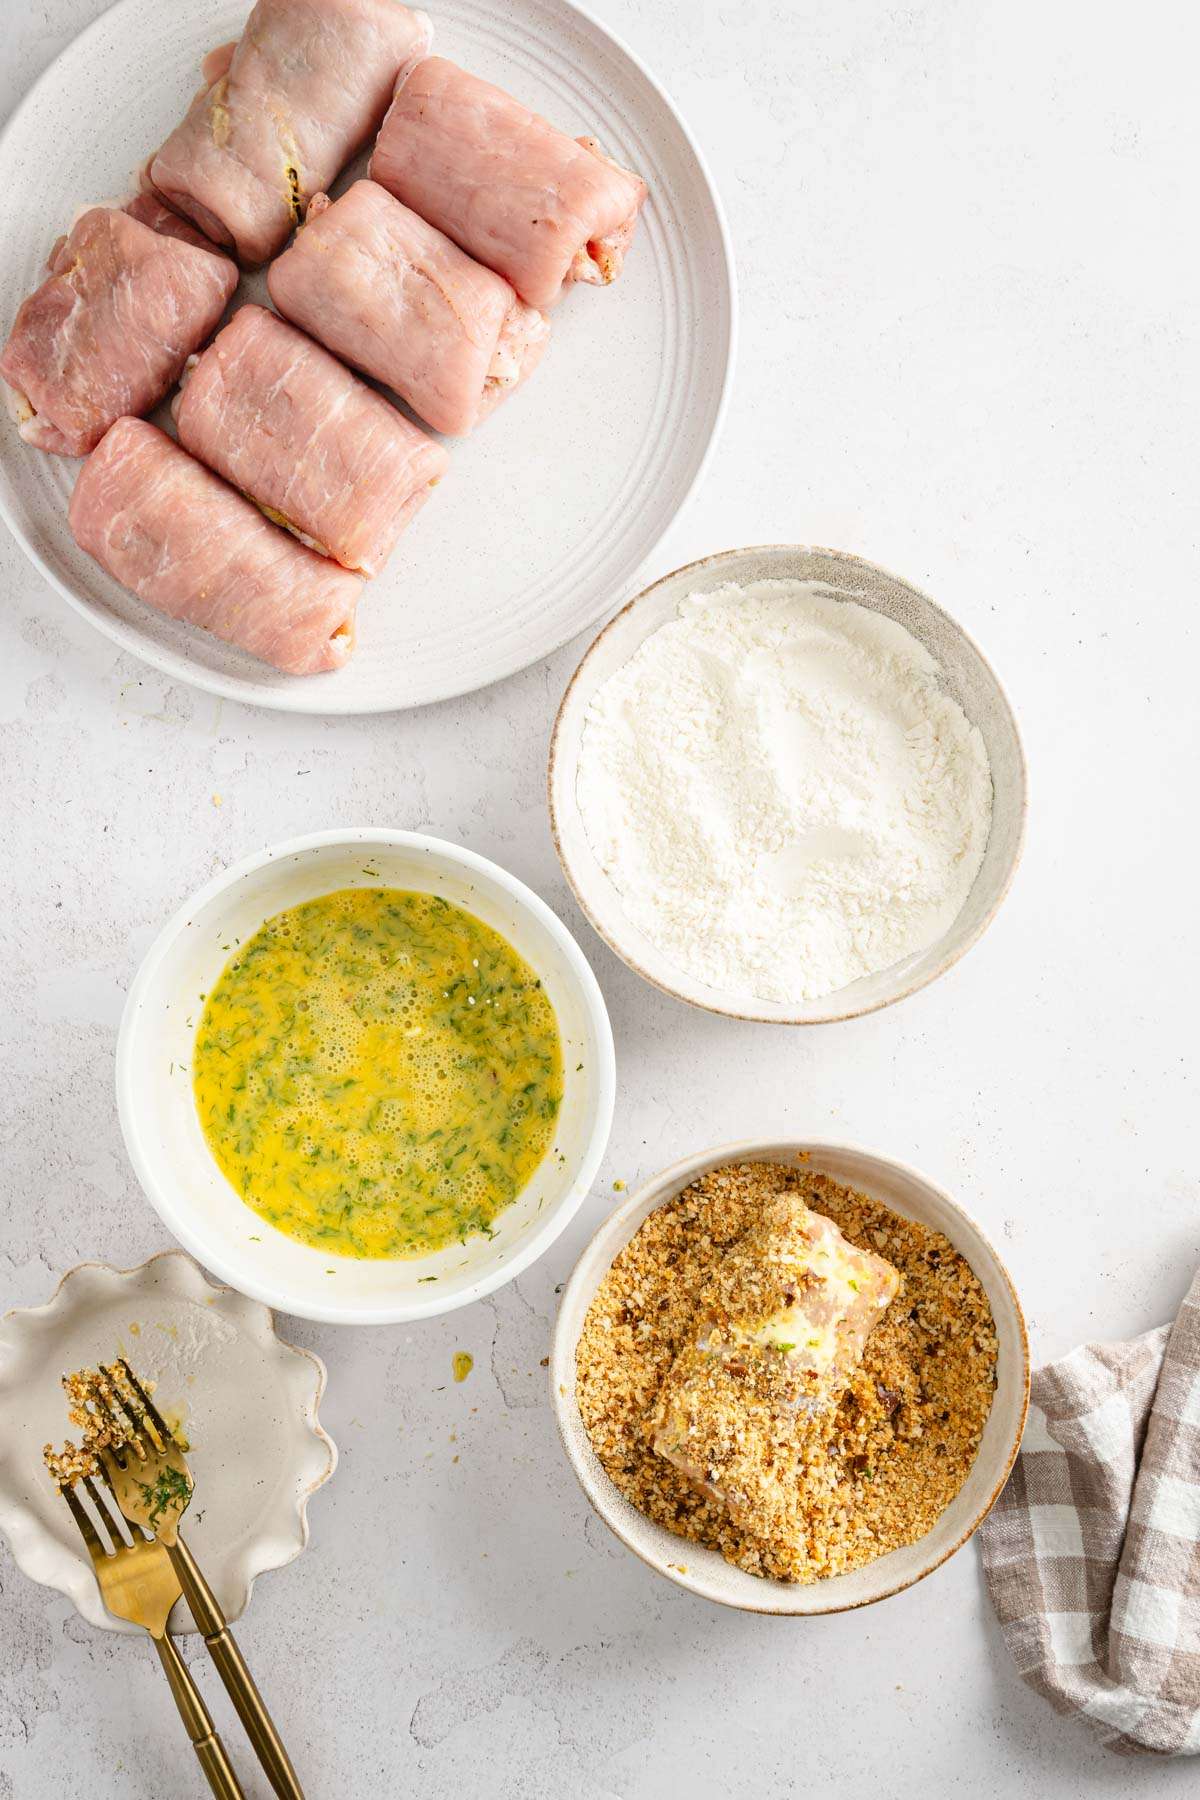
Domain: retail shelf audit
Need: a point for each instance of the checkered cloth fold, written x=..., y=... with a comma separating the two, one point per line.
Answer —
x=1092, y=1553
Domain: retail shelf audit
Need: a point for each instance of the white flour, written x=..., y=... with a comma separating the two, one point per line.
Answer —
x=781, y=793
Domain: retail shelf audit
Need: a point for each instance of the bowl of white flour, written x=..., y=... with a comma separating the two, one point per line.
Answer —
x=785, y=785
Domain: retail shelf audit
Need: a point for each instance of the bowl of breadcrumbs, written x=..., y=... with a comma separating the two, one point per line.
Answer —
x=791, y=1377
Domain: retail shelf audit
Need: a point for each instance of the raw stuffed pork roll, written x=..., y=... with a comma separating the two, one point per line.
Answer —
x=184, y=541
x=320, y=451
x=542, y=208
x=149, y=210
x=393, y=296
x=109, y=330
x=282, y=112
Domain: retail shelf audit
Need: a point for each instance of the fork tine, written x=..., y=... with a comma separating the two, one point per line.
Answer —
x=93, y=1400
x=151, y=1417
x=115, y=1399
x=111, y=1408
x=104, y=1474
x=111, y=1516
x=89, y=1401
x=87, y=1530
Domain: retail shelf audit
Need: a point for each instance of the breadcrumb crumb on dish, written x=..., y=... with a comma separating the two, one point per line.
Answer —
x=874, y=1472
x=70, y=1464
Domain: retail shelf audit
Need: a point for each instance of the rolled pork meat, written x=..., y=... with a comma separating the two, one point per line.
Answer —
x=392, y=295
x=320, y=451
x=282, y=112
x=188, y=544
x=541, y=208
x=151, y=211
x=110, y=329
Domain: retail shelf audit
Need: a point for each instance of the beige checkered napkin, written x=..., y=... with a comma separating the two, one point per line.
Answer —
x=1092, y=1554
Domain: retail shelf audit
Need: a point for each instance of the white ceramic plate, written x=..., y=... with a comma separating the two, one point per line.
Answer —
x=548, y=512
x=167, y=1146
x=248, y=1403
x=966, y=676
x=705, y=1572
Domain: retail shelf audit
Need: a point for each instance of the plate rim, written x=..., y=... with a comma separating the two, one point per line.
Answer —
x=290, y=699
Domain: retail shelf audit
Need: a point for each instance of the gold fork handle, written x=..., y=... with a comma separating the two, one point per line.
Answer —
x=210, y=1751
x=231, y=1667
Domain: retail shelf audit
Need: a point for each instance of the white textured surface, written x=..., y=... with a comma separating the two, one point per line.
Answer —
x=971, y=351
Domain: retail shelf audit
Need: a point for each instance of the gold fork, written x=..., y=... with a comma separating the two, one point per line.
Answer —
x=137, y=1583
x=152, y=1483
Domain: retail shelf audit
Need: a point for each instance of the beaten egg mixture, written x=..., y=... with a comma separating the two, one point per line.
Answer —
x=378, y=1073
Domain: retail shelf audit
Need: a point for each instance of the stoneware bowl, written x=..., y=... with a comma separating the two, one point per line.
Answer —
x=967, y=677
x=247, y=1402
x=705, y=1572
x=168, y=1148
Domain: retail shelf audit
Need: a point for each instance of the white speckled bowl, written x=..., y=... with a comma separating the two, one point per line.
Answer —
x=968, y=678
x=705, y=1572
x=248, y=1403
x=167, y=1146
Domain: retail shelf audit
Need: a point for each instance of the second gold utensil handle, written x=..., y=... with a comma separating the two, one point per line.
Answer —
x=231, y=1667
x=210, y=1751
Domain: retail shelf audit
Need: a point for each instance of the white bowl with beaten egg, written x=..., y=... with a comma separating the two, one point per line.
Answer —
x=167, y=1144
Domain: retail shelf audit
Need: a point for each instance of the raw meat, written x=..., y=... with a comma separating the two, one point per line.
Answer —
x=541, y=208
x=151, y=211
x=148, y=210
x=393, y=296
x=319, y=451
x=179, y=537
x=217, y=62
x=300, y=94
x=110, y=329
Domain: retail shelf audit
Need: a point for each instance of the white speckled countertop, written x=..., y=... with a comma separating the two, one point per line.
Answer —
x=970, y=351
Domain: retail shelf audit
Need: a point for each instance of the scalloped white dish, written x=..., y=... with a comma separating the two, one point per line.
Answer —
x=248, y=1403
x=548, y=511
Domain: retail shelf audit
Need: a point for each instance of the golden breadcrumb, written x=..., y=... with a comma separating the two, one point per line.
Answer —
x=102, y=1403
